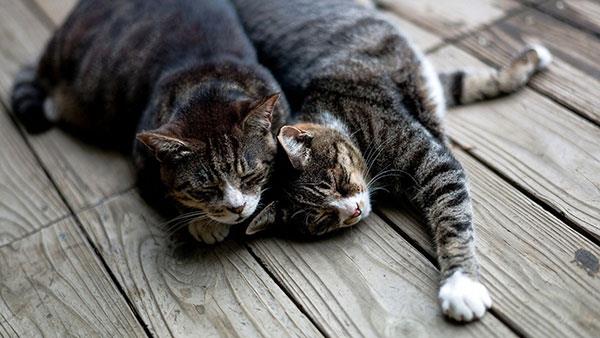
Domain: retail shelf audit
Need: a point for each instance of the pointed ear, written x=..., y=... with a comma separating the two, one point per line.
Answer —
x=296, y=144
x=164, y=148
x=260, y=116
x=265, y=219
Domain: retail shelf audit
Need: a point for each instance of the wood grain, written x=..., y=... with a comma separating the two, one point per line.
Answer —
x=28, y=200
x=527, y=258
x=420, y=37
x=580, y=13
x=56, y=10
x=574, y=77
x=21, y=38
x=366, y=281
x=51, y=283
x=543, y=147
x=453, y=17
x=213, y=291
x=85, y=174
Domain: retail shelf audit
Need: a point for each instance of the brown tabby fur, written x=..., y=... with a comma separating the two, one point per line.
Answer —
x=184, y=76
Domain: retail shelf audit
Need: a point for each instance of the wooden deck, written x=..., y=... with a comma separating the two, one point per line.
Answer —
x=81, y=254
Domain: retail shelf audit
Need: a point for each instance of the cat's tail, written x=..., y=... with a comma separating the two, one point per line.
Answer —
x=27, y=100
x=463, y=87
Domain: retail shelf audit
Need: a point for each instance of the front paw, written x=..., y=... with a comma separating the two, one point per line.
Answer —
x=209, y=233
x=463, y=298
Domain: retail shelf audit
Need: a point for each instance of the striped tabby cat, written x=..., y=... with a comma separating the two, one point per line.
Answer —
x=184, y=75
x=371, y=110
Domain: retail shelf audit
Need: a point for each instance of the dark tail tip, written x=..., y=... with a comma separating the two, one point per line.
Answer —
x=27, y=101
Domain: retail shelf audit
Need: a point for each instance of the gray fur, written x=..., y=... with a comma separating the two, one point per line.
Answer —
x=339, y=58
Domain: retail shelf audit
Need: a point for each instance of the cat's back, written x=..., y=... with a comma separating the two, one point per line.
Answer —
x=148, y=34
x=304, y=39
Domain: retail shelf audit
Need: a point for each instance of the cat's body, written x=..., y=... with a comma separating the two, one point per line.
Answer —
x=371, y=109
x=184, y=75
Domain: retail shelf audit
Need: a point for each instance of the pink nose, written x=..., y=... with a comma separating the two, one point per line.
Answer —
x=357, y=212
x=237, y=210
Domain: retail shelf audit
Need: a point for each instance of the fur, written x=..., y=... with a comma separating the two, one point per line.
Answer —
x=370, y=114
x=181, y=82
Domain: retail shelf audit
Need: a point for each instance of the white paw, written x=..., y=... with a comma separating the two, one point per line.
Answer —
x=209, y=233
x=544, y=56
x=463, y=298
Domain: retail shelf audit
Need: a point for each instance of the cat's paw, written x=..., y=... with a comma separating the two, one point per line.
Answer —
x=209, y=233
x=463, y=298
x=542, y=55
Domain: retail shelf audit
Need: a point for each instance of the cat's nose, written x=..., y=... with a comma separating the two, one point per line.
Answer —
x=237, y=210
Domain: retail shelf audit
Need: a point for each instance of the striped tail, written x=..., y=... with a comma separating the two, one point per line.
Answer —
x=27, y=100
x=463, y=87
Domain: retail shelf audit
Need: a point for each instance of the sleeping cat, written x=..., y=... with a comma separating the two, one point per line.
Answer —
x=185, y=76
x=371, y=112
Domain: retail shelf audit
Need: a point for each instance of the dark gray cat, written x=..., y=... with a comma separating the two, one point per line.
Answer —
x=183, y=77
x=371, y=110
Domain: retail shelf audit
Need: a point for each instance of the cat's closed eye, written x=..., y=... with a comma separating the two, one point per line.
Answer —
x=204, y=193
x=252, y=179
x=325, y=186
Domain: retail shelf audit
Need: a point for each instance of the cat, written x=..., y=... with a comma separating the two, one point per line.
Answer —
x=371, y=111
x=183, y=79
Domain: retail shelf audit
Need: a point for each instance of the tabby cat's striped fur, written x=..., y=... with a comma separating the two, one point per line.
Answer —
x=371, y=108
x=184, y=75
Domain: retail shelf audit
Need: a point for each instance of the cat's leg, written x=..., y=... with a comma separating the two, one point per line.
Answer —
x=444, y=197
x=435, y=181
x=208, y=231
x=32, y=88
x=28, y=96
x=465, y=86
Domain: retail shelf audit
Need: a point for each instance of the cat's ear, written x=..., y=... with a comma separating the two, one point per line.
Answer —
x=296, y=144
x=261, y=114
x=265, y=219
x=164, y=147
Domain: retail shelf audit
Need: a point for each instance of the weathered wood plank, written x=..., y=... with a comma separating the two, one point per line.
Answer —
x=217, y=290
x=56, y=10
x=527, y=258
x=420, y=37
x=28, y=200
x=51, y=283
x=581, y=13
x=84, y=174
x=366, y=281
x=21, y=37
x=450, y=18
x=574, y=77
x=538, y=144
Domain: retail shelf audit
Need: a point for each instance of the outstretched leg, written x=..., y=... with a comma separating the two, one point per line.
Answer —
x=436, y=182
x=463, y=87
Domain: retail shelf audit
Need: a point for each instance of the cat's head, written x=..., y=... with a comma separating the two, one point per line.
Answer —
x=323, y=182
x=220, y=160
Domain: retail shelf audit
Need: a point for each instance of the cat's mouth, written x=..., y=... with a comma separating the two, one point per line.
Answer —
x=353, y=209
x=355, y=217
